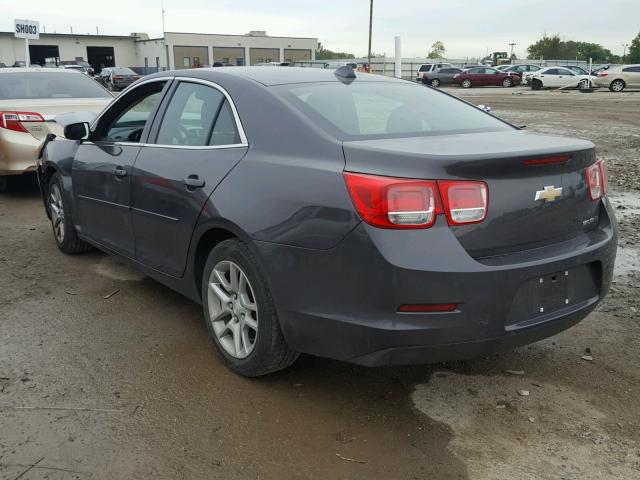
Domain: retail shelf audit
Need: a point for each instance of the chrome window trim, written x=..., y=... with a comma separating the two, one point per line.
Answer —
x=127, y=90
x=234, y=110
x=241, y=133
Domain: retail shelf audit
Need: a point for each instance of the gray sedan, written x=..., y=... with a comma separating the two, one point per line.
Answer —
x=351, y=216
x=444, y=76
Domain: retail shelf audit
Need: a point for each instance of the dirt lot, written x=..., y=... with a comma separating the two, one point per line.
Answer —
x=129, y=386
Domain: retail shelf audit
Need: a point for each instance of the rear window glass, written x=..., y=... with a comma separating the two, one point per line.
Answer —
x=382, y=110
x=122, y=71
x=49, y=85
x=425, y=68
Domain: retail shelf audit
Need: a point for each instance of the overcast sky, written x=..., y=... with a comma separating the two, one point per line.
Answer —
x=467, y=27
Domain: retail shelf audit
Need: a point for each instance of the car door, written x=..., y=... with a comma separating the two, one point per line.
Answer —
x=550, y=78
x=566, y=78
x=631, y=76
x=196, y=140
x=102, y=167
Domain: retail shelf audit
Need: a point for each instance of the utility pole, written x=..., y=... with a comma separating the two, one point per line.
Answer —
x=370, y=32
x=511, y=45
x=162, y=6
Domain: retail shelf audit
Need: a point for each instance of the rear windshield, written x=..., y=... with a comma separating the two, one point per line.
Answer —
x=49, y=85
x=385, y=110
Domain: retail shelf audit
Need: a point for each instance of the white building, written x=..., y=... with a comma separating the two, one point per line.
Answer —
x=174, y=50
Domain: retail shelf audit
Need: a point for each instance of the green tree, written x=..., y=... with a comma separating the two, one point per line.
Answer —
x=633, y=56
x=437, y=50
x=324, y=54
x=553, y=47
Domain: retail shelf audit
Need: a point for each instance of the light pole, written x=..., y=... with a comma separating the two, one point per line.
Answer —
x=624, y=52
x=370, y=32
x=511, y=56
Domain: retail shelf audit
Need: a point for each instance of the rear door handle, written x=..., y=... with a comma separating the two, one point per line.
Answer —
x=120, y=172
x=193, y=181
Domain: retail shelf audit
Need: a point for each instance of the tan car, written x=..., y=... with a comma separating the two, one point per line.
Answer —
x=30, y=100
x=619, y=77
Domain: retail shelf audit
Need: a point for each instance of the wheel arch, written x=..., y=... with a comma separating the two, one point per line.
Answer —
x=618, y=80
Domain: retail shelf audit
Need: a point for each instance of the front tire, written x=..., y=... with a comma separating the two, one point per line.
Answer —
x=240, y=312
x=536, y=84
x=435, y=83
x=617, y=86
x=507, y=82
x=64, y=232
x=466, y=83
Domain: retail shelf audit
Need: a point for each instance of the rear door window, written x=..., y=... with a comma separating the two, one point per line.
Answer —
x=190, y=115
x=631, y=69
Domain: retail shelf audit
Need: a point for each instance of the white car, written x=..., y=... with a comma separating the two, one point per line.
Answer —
x=559, y=77
x=30, y=101
x=619, y=77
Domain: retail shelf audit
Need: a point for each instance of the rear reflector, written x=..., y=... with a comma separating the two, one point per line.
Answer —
x=546, y=161
x=464, y=201
x=388, y=202
x=596, y=179
x=429, y=308
x=13, y=120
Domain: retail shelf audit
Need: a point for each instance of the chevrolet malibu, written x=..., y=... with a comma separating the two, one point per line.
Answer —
x=30, y=101
x=345, y=215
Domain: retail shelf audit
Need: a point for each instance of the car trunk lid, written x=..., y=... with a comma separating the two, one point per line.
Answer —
x=53, y=110
x=519, y=217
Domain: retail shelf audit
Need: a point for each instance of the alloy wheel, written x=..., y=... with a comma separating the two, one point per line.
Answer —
x=617, y=86
x=435, y=83
x=233, y=311
x=466, y=83
x=57, y=212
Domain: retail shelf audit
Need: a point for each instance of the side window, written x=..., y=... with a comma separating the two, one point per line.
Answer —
x=631, y=69
x=225, y=131
x=127, y=123
x=189, y=117
x=564, y=71
x=552, y=71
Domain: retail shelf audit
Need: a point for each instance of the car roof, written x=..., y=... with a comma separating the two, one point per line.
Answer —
x=272, y=75
x=62, y=71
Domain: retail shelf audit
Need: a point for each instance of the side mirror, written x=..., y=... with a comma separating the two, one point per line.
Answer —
x=77, y=131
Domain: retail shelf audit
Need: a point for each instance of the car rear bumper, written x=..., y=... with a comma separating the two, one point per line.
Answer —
x=17, y=152
x=343, y=303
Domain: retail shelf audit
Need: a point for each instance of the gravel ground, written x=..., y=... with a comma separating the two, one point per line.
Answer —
x=129, y=387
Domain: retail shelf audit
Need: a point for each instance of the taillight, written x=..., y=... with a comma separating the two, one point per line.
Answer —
x=398, y=203
x=118, y=77
x=464, y=201
x=387, y=202
x=597, y=180
x=602, y=74
x=13, y=120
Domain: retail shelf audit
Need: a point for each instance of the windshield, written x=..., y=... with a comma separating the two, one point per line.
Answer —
x=122, y=71
x=49, y=85
x=385, y=110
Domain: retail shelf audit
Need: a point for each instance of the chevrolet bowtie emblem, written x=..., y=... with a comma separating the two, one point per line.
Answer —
x=549, y=194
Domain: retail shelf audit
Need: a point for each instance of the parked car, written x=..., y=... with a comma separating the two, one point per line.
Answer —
x=485, y=76
x=444, y=76
x=368, y=236
x=430, y=67
x=2, y=65
x=117, y=78
x=89, y=69
x=525, y=71
x=619, y=77
x=30, y=100
x=559, y=77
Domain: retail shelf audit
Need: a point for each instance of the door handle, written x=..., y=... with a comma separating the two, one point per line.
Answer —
x=193, y=181
x=120, y=172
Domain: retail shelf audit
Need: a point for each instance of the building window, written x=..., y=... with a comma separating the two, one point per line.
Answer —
x=239, y=62
x=146, y=62
x=158, y=63
x=186, y=62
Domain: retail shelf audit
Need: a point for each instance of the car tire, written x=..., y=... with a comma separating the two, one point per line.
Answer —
x=466, y=83
x=536, y=84
x=507, y=83
x=435, y=83
x=250, y=349
x=584, y=84
x=617, y=86
x=64, y=231
x=4, y=183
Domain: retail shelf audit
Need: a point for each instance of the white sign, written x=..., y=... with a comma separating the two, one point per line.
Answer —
x=27, y=29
